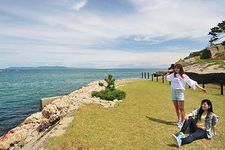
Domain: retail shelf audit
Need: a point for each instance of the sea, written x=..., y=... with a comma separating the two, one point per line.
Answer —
x=21, y=89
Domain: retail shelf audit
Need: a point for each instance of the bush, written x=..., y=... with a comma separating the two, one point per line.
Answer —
x=223, y=43
x=194, y=54
x=110, y=92
x=205, y=54
x=109, y=95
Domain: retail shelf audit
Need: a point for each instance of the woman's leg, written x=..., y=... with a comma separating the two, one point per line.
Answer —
x=181, y=110
x=175, y=103
x=198, y=134
x=189, y=124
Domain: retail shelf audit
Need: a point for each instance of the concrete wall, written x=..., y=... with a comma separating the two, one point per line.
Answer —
x=48, y=100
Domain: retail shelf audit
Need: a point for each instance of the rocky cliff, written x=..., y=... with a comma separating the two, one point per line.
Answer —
x=209, y=60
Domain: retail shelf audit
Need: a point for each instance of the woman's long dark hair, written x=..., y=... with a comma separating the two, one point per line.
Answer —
x=179, y=66
x=210, y=110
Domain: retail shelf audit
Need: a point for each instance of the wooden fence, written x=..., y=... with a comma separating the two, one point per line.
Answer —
x=214, y=78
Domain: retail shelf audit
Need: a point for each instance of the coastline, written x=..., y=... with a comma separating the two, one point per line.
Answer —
x=36, y=127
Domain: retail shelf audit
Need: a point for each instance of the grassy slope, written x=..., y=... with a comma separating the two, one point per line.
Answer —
x=144, y=120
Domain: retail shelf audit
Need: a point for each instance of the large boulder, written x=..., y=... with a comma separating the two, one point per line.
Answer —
x=4, y=145
x=54, y=118
x=62, y=103
x=49, y=110
x=15, y=137
x=43, y=125
x=34, y=118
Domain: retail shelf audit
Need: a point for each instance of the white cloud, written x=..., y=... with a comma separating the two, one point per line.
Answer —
x=167, y=19
x=42, y=55
x=77, y=6
x=71, y=33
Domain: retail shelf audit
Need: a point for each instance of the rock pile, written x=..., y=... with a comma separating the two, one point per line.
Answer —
x=36, y=124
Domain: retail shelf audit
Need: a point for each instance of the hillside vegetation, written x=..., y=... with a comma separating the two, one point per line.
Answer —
x=205, y=61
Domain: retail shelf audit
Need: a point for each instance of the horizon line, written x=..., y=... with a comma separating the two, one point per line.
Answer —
x=66, y=67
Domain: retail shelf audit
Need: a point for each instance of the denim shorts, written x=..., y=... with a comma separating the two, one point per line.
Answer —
x=177, y=94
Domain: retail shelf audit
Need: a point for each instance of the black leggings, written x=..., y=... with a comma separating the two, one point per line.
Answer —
x=195, y=132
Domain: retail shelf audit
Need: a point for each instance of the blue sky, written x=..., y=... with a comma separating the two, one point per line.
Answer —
x=104, y=33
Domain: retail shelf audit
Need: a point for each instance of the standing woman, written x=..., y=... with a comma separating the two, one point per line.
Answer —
x=178, y=82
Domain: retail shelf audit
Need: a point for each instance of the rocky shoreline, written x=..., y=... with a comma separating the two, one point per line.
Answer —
x=37, y=125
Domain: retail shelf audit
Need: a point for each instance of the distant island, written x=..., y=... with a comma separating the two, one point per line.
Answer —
x=39, y=68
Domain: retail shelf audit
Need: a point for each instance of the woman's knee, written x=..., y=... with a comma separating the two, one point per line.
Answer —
x=190, y=119
x=181, y=109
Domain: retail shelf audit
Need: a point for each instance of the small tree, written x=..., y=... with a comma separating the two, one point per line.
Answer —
x=223, y=43
x=110, y=92
x=110, y=83
x=217, y=32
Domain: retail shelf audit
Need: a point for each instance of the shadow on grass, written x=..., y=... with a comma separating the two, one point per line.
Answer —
x=171, y=123
x=172, y=145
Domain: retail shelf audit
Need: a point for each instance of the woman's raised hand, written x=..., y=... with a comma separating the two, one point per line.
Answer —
x=204, y=90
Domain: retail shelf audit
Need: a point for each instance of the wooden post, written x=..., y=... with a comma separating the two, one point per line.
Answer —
x=162, y=78
x=157, y=78
x=148, y=75
x=221, y=86
x=142, y=75
x=145, y=75
x=203, y=85
x=152, y=77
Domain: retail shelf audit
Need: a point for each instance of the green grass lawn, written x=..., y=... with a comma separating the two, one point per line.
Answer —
x=144, y=120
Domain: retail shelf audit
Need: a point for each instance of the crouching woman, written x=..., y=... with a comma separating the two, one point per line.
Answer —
x=201, y=124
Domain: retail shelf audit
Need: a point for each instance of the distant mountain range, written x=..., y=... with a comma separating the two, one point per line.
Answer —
x=63, y=67
x=39, y=68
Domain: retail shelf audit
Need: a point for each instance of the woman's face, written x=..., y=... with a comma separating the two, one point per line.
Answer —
x=205, y=106
x=177, y=70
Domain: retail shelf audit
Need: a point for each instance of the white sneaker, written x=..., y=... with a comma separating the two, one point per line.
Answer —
x=178, y=122
x=180, y=125
x=180, y=135
x=177, y=140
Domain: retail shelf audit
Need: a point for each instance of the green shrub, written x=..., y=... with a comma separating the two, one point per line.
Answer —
x=205, y=54
x=110, y=92
x=223, y=43
x=219, y=54
x=109, y=95
x=194, y=54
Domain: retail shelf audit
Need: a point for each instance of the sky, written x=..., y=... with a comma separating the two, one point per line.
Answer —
x=104, y=33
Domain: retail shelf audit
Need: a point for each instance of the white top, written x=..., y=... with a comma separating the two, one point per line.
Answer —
x=179, y=83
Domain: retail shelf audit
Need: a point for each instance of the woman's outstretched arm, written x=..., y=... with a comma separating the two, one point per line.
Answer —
x=201, y=88
x=193, y=84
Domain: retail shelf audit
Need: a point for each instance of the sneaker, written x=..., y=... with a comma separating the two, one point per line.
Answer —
x=177, y=140
x=180, y=125
x=180, y=135
x=178, y=122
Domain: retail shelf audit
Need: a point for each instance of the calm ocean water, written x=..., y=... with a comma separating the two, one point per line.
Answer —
x=21, y=90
